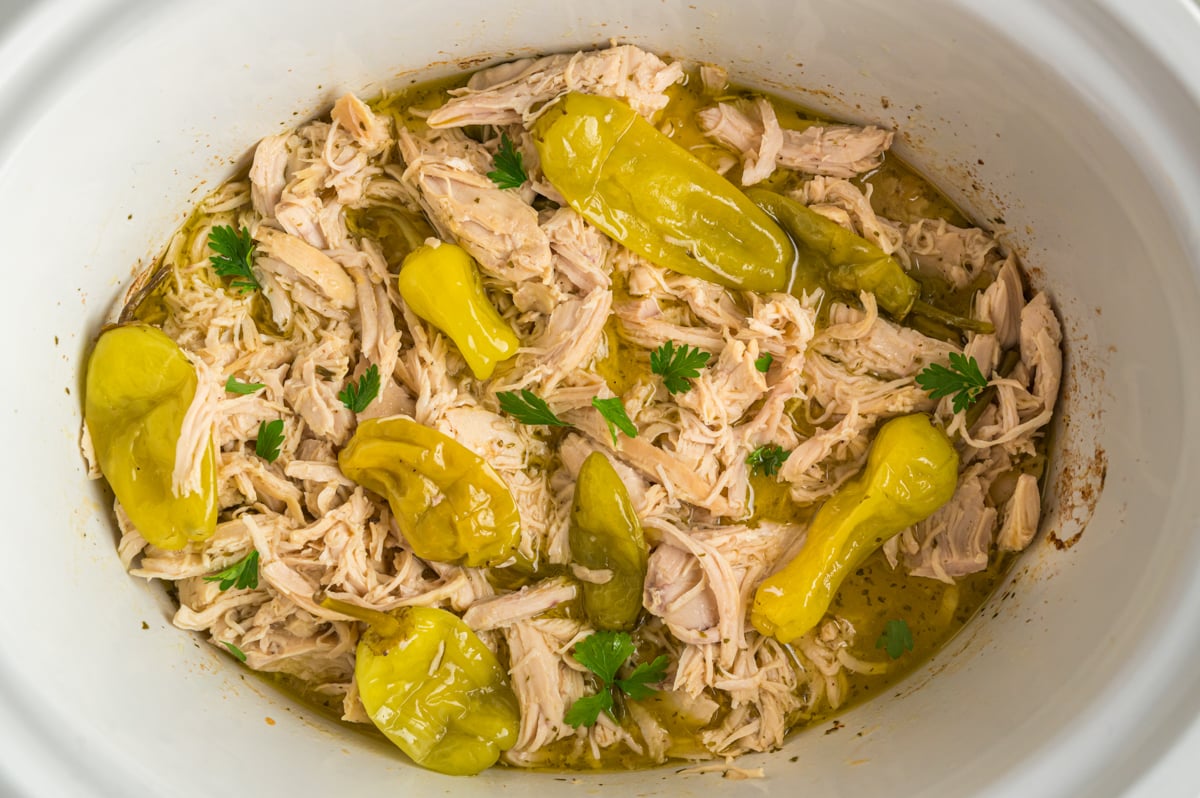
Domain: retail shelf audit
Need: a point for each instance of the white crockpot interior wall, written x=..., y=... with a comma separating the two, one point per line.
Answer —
x=119, y=116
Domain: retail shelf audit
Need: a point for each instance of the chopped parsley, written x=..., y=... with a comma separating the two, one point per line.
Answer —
x=767, y=459
x=614, y=414
x=234, y=258
x=356, y=396
x=896, y=638
x=528, y=408
x=510, y=166
x=270, y=439
x=603, y=653
x=242, y=574
x=233, y=385
x=962, y=380
x=677, y=365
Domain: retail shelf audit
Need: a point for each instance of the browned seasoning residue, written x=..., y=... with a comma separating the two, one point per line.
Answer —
x=837, y=724
x=1079, y=487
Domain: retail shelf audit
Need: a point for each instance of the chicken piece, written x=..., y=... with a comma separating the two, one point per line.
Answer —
x=228, y=544
x=725, y=391
x=569, y=342
x=848, y=205
x=495, y=226
x=516, y=92
x=320, y=270
x=643, y=323
x=316, y=401
x=268, y=173
x=545, y=685
x=580, y=250
x=833, y=150
x=836, y=388
x=1019, y=521
x=1001, y=304
x=528, y=602
x=195, y=433
x=653, y=463
x=958, y=254
x=353, y=115
x=677, y=591
x=1041, y=348
x=866, y=343
x=955, y=540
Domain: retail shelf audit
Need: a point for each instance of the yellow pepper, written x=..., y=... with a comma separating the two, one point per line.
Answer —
x=829, y=255
x=475, y=523
x=605, y=534
x=139, y=387
x=441, y=284
x=433, y=688
x=911, y=471
x=656, y=198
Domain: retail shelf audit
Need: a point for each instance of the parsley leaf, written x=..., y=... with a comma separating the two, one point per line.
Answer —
x=242, y=574
x=510, y=166
x=603, y=653
x=896, y=638
x=358, y=396
x=234, y=258
x=767, y=459
x=235, y=651
x=677, y=366
x=586, y=710
x=270, y=438
x=763, y=362
x=528, y=408
x=637, y=685
x=962, y=380
x=242, y=388
x=614, y=413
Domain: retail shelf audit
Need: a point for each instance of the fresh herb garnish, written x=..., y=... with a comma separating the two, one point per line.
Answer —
x=603, y=653
x=528, y=408
x=357, y=396
x=763, y=362
x=235, y=256
x=270, y=438
x=510, y=166
x=235, y=651
x=767, y=459
x=963, y=381
x=677, y=366
x=896, y=638
x=233, y=385
x=614, y=413
x=242, y=574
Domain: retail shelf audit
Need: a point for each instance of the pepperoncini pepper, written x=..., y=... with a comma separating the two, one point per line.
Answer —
x=829, y=255
x=433, y=688
x=440, y=282
x=605, y=534
x=139, y=388
x=475, y=524
x=911, y=471
x=656, y=198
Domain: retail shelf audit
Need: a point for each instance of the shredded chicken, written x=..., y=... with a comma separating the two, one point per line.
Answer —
x=756, y=135
x=813, y=375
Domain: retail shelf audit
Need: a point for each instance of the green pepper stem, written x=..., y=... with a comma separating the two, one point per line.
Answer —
x=381, y=622
x=952, y=319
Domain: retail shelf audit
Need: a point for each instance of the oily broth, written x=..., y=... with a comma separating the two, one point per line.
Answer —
x=874, y=593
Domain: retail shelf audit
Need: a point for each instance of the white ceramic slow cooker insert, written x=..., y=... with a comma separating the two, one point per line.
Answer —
x=1073, y=122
